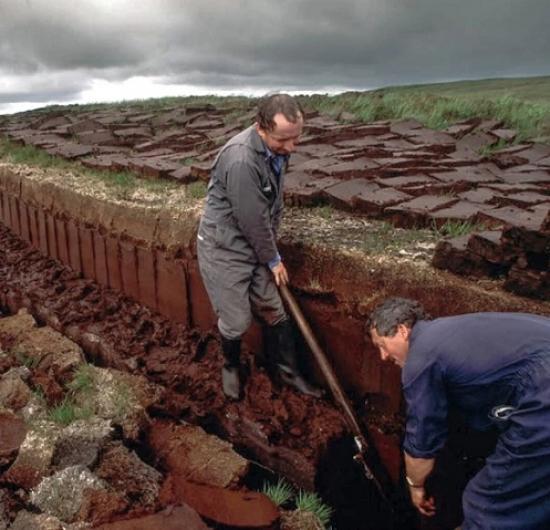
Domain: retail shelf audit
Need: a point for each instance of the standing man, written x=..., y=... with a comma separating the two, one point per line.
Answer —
x=495, y=369
x=237, y=239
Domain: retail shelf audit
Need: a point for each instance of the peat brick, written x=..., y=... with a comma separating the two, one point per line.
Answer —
x=527, y=282
x=414, y=213
x=343, y=195
x=525, y=177
x=454, y=255
x=374, y=203
x=461, y=211
x=183, y=174
x=488, y=245
x=305, y=190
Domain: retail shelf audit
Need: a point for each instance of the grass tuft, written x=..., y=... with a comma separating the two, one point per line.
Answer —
x=82, y=380
x=67, y=412
x=458, y=228
x=326, y=211
x=280, y=493
x=490, y=149
x=311, y=502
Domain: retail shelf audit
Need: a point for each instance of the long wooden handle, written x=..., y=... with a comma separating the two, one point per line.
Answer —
x=322, y=361
x=336, y=390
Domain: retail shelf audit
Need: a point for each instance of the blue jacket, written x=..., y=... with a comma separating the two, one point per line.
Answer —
x=470, y=362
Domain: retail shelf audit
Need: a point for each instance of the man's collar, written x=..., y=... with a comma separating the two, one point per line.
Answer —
x=257, y=142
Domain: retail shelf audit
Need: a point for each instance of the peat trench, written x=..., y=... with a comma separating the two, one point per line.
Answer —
x=299, y=437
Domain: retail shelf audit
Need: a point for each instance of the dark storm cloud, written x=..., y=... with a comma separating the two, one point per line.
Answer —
x=63, y=35
x=301, y=44
x=369, y=43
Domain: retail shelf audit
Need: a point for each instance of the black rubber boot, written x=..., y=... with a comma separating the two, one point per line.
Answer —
x=282, y=352
x=231, y=380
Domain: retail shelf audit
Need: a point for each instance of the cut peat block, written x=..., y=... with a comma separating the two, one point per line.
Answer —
x=302, y=189
x=454, y=255
x=528, y=282
x=344, y=195
x=415, y=213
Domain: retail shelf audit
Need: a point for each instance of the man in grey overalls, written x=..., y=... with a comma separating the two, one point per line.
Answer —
x=237, y=249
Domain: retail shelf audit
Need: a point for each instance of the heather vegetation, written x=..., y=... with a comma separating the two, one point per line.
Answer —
x=531, y=120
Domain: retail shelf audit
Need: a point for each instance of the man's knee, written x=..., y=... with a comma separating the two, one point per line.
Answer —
x=275, y=317
x=270, y=312
x=234, y=326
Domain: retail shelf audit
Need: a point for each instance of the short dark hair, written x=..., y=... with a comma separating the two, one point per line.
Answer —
x=275, y=104
x=386, y=317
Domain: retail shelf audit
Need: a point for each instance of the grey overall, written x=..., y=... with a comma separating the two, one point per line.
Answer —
x=237, y=236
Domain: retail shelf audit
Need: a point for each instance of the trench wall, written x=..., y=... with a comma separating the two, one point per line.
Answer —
x=149, y=255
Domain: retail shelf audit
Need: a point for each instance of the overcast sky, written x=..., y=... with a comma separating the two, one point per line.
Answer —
x=66, y=51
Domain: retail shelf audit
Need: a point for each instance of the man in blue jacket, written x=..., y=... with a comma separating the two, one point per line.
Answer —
x=237, y=239
x=493, y=368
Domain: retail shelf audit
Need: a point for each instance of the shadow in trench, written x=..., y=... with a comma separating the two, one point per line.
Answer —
x=358, y=506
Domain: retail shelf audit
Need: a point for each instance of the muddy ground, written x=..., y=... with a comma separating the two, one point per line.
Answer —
x=114, y=271
x=290, y=433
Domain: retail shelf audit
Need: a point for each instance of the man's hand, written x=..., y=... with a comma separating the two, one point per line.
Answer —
x=418, y=470
x=425, y=505
x=280, y=274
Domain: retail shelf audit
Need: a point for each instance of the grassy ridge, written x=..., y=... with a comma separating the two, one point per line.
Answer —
x=522, y=104
x=529, y=89
x=153, y=104
x=531, y=120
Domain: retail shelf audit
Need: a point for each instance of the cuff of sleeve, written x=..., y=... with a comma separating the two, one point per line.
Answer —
x=419, y=453
x=274, y=262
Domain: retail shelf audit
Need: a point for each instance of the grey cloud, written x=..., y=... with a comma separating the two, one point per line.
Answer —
x=361, y=43
x=300, y=44
x=39, y=96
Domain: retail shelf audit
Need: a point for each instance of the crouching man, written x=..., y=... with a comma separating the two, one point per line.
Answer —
x=495, y=369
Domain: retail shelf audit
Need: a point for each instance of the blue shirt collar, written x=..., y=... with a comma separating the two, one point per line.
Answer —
x=277, y=162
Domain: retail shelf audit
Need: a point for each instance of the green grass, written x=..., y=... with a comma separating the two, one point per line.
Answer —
x=30, y=155
x=280, y=493
x=530, y=119
x=196, y=190
x=326, y=211
x=83, y=380
x=311, y=502
x=237, y=115
x=39, y=394
x=458, y=228
x=68, y=412
x=122, y=400
x=122, y=182
x=490, y=149
x=530, y=89
x=154, y=104
x=384, y=236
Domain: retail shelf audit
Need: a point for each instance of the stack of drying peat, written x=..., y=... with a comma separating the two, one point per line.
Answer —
x=171, y=143
x=519, y=250
x=400, y=171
